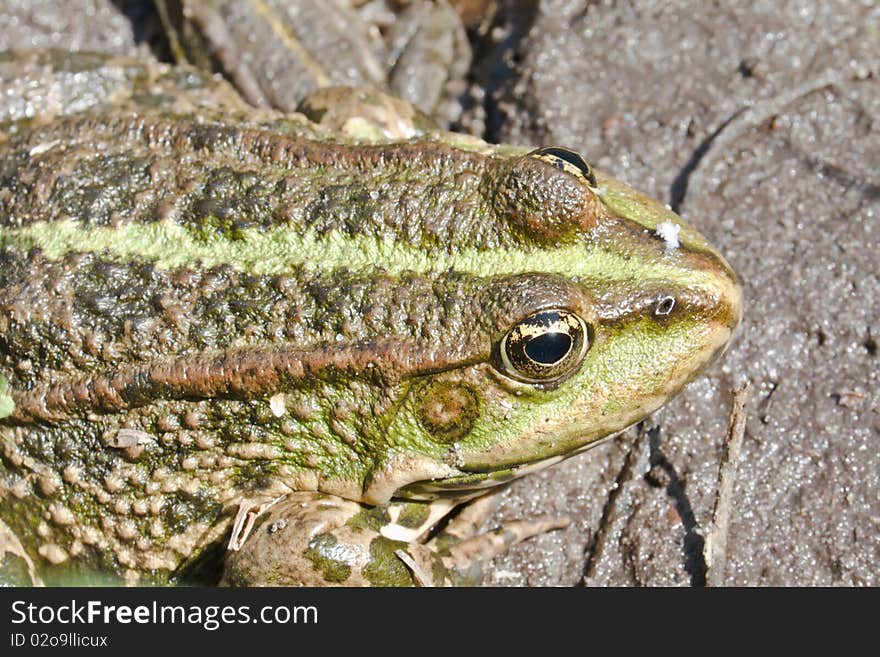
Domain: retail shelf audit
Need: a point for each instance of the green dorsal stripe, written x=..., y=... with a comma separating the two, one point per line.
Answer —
x=168, y=245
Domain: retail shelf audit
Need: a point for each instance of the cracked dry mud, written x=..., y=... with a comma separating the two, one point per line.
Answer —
x=760, y=124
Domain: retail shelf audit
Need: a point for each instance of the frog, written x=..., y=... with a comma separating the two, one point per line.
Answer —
x=277, y=52
x=241, y=347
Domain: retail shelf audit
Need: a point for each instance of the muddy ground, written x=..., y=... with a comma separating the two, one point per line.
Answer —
x=759, y=123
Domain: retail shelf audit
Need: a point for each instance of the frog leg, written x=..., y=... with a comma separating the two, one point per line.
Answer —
x=314, y=539
x=466, y=551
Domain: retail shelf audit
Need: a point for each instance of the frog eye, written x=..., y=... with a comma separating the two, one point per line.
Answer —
x=545, y=346
x=567, y=160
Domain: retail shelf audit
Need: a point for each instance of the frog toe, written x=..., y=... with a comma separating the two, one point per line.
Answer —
x=467, y=559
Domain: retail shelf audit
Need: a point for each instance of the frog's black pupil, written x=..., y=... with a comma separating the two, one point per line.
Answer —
x=549, y=348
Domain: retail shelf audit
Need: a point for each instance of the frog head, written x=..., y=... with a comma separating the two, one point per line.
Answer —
x=604, y=305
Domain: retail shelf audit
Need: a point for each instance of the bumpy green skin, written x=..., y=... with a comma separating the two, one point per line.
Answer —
x=201, y=305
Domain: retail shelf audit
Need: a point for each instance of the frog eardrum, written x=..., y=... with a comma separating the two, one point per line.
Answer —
x=545, y=346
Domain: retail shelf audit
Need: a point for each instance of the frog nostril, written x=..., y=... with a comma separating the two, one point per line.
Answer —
x=664, y=306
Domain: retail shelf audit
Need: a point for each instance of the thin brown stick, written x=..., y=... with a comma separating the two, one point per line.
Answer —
x=715, y=548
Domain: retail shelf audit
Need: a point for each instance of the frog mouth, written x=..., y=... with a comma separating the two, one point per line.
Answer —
x=470, y=484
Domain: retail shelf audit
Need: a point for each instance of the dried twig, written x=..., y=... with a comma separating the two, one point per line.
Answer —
x=715, y=548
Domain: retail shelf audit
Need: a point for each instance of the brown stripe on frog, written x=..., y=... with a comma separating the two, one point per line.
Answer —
x=219, y=178
x=83, y=313
x=488, y=308
x=233, y=374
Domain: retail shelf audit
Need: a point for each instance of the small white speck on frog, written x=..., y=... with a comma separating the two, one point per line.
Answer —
x=668, y=232
x=277, y=405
